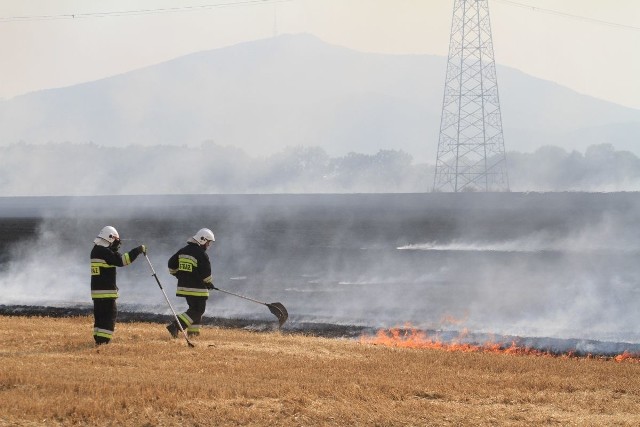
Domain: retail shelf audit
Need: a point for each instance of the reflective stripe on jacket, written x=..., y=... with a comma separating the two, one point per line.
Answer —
x=103, y=270
x=192, y=267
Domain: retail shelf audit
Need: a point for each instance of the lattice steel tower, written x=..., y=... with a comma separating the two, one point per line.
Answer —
x=471, y=154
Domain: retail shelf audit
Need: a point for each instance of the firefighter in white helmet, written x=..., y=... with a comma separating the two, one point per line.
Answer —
x=104, y=291
x=192, y=268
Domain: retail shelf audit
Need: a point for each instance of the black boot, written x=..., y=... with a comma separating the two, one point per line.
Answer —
x=173, y=329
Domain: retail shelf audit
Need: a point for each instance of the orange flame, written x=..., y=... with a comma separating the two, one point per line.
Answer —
x=627, y=356
x=410, y=337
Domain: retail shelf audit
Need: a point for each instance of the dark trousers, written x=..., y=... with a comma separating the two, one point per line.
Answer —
x=193, y=315
x=105, y=313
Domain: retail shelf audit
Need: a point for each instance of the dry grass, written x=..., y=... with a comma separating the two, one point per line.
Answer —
x=51, y=374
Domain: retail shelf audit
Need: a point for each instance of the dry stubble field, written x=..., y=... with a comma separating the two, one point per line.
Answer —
x=51, y=374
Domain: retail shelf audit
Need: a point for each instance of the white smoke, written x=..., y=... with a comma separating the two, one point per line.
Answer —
x=211, y=168
x=349, y=260
x=578, y=284
x=607, y=236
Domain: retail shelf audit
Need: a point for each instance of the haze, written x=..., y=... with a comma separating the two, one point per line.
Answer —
x=586, y=45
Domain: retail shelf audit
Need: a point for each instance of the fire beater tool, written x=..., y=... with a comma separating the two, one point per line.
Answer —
x=168, y=302
x=274, y=307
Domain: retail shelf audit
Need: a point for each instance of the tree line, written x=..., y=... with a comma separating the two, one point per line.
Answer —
x=90, y=169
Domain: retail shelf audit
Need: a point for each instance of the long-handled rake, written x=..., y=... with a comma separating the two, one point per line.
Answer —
x=168, y=302
x=274, y=307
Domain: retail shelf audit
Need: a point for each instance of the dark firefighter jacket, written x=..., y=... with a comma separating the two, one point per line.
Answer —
x=103, y=270
x=192, y=267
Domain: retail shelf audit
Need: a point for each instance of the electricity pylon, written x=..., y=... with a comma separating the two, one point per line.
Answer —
x=471, y=154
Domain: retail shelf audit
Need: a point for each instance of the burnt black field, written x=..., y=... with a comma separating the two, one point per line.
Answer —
x=555, y=270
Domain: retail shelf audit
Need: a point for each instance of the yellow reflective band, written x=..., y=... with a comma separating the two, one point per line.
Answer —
x=186, y=319
x=202, y=293
x=99, y=332
x=102, y=334
x=188, y=258
x=208, y=279
x=125, y=259
x=101, y=264
x=109, y=293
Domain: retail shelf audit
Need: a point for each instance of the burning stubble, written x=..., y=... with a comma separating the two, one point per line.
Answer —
x=557, y=266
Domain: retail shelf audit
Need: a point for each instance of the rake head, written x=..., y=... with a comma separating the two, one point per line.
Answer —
x=279, y=311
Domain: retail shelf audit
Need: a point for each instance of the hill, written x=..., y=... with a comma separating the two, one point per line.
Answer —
x=296, y=90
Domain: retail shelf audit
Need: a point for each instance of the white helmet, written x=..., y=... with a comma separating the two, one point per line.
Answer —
x=203, y=236
x=107, y=236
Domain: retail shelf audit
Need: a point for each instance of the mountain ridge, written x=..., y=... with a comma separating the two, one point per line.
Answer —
x=296, y=90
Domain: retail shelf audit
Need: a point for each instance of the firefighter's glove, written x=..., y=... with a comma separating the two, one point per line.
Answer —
x=115, y=245
x=211, y=287
x=138, y=250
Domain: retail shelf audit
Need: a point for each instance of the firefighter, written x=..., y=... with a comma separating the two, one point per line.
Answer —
x=104, y=260
x=192, y=268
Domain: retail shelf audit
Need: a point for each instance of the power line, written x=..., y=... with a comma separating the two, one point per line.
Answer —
x=569, y=15
x=136, y=12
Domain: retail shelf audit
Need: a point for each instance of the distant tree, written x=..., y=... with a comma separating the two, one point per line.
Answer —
x=90, y=169
x=295, y=169
x=386, y=171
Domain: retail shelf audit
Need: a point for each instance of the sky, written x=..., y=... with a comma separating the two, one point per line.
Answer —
x=587, y=45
